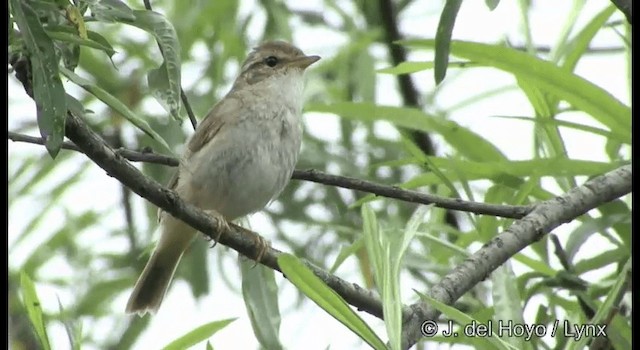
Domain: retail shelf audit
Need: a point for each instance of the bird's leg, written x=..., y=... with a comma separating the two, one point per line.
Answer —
x=263, y=247
x=221, y=226
x=262, y=244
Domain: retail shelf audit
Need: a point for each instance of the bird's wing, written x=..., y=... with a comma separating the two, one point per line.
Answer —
x=222, y=113
x=215, y=120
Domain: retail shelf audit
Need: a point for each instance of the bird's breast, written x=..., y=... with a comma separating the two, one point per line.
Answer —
x=245, y=166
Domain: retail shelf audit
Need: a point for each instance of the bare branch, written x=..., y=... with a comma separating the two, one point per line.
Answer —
x=545, y=217
x=506, y=211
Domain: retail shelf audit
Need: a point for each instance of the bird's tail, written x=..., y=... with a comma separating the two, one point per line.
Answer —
x=154, y=281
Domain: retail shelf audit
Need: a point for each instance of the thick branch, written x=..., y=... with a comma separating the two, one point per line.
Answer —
x=507, y=211
x=545, y=217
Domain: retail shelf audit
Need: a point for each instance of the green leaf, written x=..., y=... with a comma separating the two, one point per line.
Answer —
x=260, y=293
x=443, y=38
x=48, y=91
x=346, y=252
x=164, y=81
x=386, y=251
x=461, y=318
x=579, y=92
x=313, y=287
x=409, y=67
x=609, y=135
x=607, y=307
x=608, y=257
x=492, y=4
x=195, y=269
x=69, y=34
x=73, y=328
x=589, y=227
x=197, y=335
x=504, y=170
x=34, y=310
x=468, y=143
x=507, y=302
x=536, y=265
x=99, y=297
x=441, y=243
x=622, y=228
x=118, y=106
x=580, y=43
x=110, y=10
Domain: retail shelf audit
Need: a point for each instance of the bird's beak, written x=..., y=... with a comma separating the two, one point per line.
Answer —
x=304, y=61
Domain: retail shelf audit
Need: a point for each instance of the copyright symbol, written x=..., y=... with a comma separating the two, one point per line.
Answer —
x=429, y=328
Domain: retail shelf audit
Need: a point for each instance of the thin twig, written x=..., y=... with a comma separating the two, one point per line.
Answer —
x=561, y=253
x=312, y=175
x=126, y=200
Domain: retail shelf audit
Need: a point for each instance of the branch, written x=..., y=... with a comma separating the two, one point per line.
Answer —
x=545, y=217
x=506, y=211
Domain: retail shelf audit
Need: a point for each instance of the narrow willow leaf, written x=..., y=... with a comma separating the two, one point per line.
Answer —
x=443, y=244
x=580, y=43
x=198, y=335
x=260, y=294
x=73, y=328
x=609, y=135
x=492, y=342
x=386, y=252
x=507, y=302
x=313, y=287
x=492, y=4
x=34, y=310
x=591, y=226
x=48, y=91
x=443, y=38
x=612, y=256
x=465, y=141
x=164, y=81
x=160, y=85
x=110, y=10
x=413, y=67
x=74, y=106
x=612, y=300
x=536, y=265
x=346, y=252
x=579, y=92
x=66, y=34
x=118, y=106
x=497, y=171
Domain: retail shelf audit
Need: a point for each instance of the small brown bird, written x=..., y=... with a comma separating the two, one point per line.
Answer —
x=240, y=158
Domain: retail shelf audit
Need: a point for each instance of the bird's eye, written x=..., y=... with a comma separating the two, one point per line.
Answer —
x=271, y=61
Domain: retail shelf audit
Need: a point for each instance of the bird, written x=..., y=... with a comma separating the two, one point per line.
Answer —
x=240, y=157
